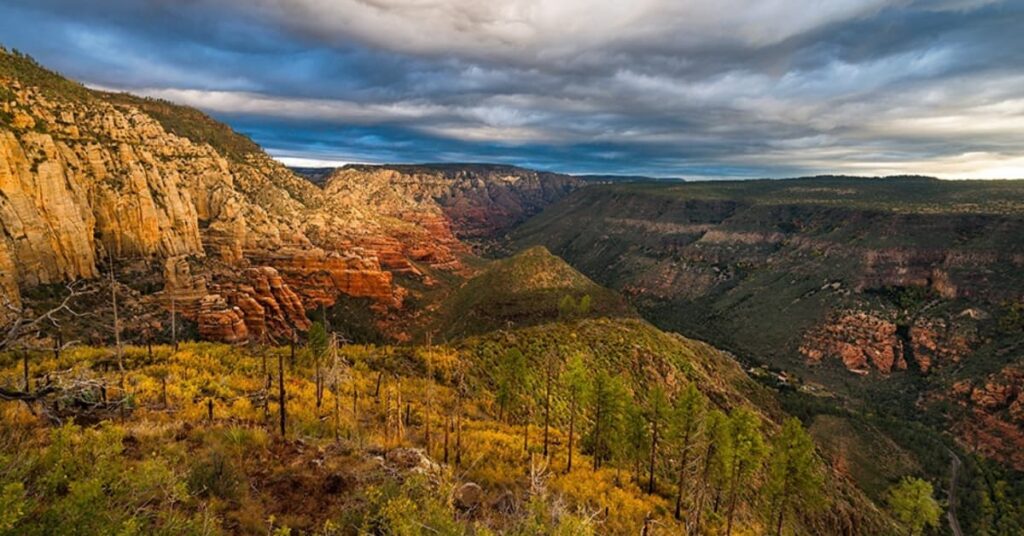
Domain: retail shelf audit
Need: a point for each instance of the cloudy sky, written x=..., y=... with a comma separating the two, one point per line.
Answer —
x=693, y=88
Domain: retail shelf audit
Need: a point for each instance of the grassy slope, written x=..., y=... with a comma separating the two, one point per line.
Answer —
x=523, y=290
x=764, y=307
x=235, y=475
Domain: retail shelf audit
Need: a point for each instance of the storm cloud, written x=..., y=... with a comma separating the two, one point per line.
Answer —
x=699, y=88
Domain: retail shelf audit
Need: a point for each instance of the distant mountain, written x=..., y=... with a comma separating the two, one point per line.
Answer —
x=625, y=178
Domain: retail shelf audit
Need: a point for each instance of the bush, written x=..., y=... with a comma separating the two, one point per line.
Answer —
x=214, y=476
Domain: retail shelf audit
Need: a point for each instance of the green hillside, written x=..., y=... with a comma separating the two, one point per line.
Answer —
x=531, y=287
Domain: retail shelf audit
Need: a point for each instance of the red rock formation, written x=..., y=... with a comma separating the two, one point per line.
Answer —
x=862, y=341
x=995, y=425
x=936, y=341
x=865, y=341
x=219, y=321
x=318, y=276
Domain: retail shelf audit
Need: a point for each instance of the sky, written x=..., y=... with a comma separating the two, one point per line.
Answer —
x=666, y=88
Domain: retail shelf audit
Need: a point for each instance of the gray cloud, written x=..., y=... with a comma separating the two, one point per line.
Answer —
x=702, y=88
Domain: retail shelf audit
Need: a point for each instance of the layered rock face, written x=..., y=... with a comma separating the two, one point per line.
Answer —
x=89, y=178
x=823, y=277
x=473, y=200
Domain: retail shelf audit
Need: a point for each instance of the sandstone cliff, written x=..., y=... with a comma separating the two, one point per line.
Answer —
x=88, y=178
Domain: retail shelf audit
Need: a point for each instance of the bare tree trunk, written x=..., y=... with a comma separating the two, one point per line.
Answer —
x=400, y=426
x=526, y=435
x=24, y=364
x=174, y=326
x=117, y=322
x=209, y=409
x=337, y=411
x=428, y=415
x=447, y=431
x=597, y=438
x=733, y=496
x=291, y=357
x=547, y=411
x=280, y=388
x=355, y=407
x=458, y=434
x=654, y=456
x=684, y=459
x=572, y=430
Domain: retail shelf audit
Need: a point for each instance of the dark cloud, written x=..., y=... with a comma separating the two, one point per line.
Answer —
x=706, y=88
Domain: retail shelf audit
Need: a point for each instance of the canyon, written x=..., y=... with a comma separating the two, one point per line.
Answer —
x=901, y=296
x=92, y=182
x=901, y=290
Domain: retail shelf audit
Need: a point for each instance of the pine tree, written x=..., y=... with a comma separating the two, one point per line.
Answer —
x=717, y=450
x=913, y=504
x=576, y=384
x=794, y=478
x=566, y=307
x=636, y=437
x=318, y=342
x=607, y=398
x=658, y=409
x=687, y=426
x=549, y=380
x=745, y=457
x=511, y=382
x=584, y=306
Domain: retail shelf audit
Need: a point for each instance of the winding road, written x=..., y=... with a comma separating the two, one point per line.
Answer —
x=954, y=473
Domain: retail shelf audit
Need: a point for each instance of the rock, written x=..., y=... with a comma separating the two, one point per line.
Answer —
x=415, y=460
x=117, y=180
x=219, y=321
x=468, y=496
x=862, y=341
x=865, y=341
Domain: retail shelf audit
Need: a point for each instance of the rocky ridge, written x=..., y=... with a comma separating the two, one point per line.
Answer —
x=89, y=178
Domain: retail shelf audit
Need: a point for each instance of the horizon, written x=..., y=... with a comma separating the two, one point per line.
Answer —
x=870, y=88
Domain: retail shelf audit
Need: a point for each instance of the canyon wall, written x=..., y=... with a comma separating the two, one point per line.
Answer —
x=90, y=180
x=851, y=283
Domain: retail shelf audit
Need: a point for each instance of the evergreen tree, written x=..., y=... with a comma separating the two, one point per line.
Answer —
x=747, y=450
x=511, y=382
x=607, y=399
x=717, y=451
x=317, y=343
x=658, y=410
x=913, y=504
x=584, y=306
x=635, y=431
x=794, y=479
x=687, y=425
x=576, y=383
x=566, y=307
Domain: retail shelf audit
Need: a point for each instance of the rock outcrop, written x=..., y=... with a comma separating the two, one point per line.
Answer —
x=995, y=406
x=866, y=342
x=88, y=178
x=861, y=341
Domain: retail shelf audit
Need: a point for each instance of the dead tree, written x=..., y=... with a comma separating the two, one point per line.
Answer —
x=24, y=323
x=280, y=386
x=548, y=380
x=174, y=327
x=117, y=323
